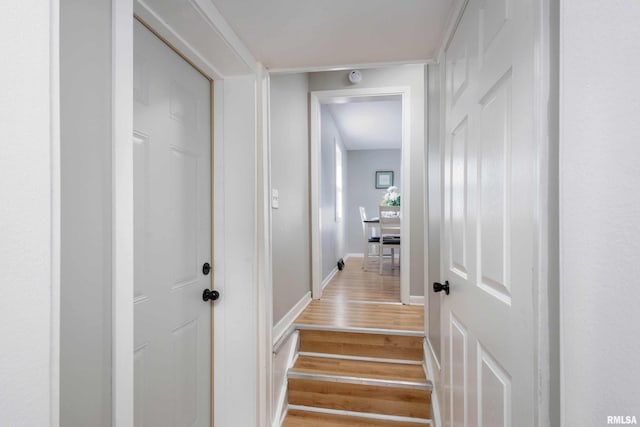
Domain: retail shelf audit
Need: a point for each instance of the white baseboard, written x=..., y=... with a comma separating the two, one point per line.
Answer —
x=431, y=375
x=327, y=279
x=285, y=323
x=416, y=300
x=282, y=363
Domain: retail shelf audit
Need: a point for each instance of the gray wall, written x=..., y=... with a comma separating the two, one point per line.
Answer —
x=290, y=176
x=85, y=105
x=434, y=204
x=411, y=76
x=599, y=211
x=333, y=233
x=361, y=189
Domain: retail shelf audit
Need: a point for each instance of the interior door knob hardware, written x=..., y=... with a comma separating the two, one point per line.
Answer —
x=206, y=268
x=437, y=287
x=210, y=295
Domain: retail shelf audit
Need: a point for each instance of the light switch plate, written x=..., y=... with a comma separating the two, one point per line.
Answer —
x=275, y=199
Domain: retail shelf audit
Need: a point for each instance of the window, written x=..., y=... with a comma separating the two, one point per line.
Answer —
x=338, y=182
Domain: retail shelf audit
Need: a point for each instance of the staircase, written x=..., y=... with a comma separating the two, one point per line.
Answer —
x=359, y=379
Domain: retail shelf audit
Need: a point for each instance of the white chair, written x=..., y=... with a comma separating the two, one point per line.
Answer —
x=369, y=241
x=389, y=232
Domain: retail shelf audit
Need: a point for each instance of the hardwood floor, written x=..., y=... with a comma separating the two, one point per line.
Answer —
x=297, y=418
x=360, y=354
x=382, y=346
x=346, y=314
x=355, y=284
x=358, y=299
x=395, y=401
x=359, y=369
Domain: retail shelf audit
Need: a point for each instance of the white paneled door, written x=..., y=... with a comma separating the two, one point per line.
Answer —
x=489, y=246
x=172, y=222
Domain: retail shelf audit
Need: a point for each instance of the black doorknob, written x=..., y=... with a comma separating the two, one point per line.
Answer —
x=437, y=287
x=209, y=295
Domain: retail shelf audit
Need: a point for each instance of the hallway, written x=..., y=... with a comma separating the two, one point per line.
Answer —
x=360, y=356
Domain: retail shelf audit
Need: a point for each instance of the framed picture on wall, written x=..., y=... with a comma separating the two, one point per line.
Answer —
x=384, y=179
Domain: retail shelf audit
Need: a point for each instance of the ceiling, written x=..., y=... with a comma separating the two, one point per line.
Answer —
x=296, y=34
x=369, y=125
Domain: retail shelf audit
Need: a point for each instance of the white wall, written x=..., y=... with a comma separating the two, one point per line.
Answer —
x=29, y=215
x=235, y=253
x=413, y=77
x=599, y=210
x=85, y=359
x=290, y=224
x=361, y=189
x=333, y=233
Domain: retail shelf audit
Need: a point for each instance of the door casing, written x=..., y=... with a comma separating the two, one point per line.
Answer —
x=318, y=98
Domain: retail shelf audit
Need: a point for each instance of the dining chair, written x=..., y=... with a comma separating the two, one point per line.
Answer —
x=369, y=241
x=389, y=232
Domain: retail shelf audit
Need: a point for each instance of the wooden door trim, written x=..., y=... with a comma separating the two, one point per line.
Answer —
x=172, y=47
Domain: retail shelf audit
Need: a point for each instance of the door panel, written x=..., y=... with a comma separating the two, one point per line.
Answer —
x=172, y=235
x=489, y=162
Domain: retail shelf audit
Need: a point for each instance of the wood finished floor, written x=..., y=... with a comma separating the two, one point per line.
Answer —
x=297, y=418
x=353, y=283
x=360, y=369
x=358, y=299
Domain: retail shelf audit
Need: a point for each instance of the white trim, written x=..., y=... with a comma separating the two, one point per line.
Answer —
x=122, y=199
x=452, y=25
x=416, y=300
x=368, y=415
x=343, y=67
x=281, y=408
x=546, y=120
x=326, y=96
x=432, y=354
x=359, y=301
x=354, y=255
x=329, y=277
x=264, y=244
x=435, y=401
x=287, y=321
x=359, y=358
x=144, y=11
x=56, y=231
x=216, y=21
x=404, y=333
x=414, y=385
x=282, y=418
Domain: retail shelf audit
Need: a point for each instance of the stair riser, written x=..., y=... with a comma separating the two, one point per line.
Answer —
x=360, y=398
x=362, y=345
x=314, y=419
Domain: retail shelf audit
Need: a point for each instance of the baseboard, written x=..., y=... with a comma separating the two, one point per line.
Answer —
x=285, y=323
x=327, y=279
x=280, y=409
x=416, y=300
x=435, y=402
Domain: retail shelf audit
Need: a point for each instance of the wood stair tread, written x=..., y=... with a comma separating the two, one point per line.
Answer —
x=352, y=314
x=345, y=396
x=297, y=418
x=359, y=369
x=383, y=346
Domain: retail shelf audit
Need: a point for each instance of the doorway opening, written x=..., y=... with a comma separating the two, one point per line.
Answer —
x=359, y=155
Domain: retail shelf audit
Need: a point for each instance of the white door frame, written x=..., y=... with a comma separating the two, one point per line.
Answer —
x=326, y=97
x=122, y=198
